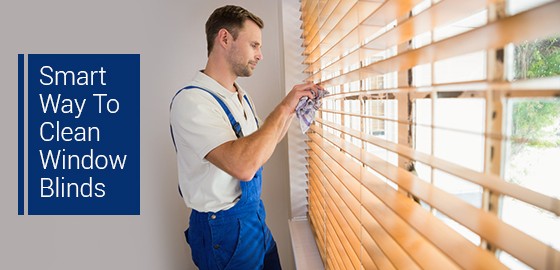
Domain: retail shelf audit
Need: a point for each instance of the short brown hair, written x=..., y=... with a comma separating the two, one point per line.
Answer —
x=230, y=18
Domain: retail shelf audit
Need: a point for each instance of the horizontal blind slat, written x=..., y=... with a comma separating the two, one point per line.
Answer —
x=379, y=18
x=350, y=199
x=330, y=22
x=488, y=135
x=350, y=257
x=450, y=242
x=529, y=25
x=346, y=30
x=488, y=226
x=399, y=257
x=322, y=17
x=339, y=178
x=419, y=248
x=547, y=84
x=438, y=15
x=489, y=181
x=375, y=256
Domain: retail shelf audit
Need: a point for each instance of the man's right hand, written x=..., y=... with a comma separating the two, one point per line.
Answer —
x=291, y=100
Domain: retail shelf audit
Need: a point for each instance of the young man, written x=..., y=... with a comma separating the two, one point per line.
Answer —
x=221, y=147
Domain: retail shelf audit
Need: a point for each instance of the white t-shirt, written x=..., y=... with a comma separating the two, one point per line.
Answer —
x=200, y=125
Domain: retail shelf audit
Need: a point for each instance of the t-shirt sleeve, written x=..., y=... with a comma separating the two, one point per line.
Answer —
x=199, y=123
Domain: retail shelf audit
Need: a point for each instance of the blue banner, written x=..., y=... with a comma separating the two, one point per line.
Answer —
x=83, y=134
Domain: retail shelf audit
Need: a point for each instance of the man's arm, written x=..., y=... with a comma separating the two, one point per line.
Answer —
x=286, y=127
x=241, y=158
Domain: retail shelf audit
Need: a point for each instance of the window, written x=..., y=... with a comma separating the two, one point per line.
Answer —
x=442, y=128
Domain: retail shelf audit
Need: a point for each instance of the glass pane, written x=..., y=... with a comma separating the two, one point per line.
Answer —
x=421, y=7
x=468, y=67
x=352, y=122
x=422, y=129
x=512, y=262
x=422, y=75
x=517, y=6
x=381, y=109
x=460, y=188
x=531, y=161
x=424, y=171
x=533, y=152
x=387, y=181
x=537, y=59
x=457, y=138
x=468, y=234
x=543, y=225
x=461, y=26
x=375, y=108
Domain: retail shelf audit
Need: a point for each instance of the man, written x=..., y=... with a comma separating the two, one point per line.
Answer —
x=221, y=148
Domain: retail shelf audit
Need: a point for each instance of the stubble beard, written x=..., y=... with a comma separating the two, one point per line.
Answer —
x=242, y=70
x=241, y=67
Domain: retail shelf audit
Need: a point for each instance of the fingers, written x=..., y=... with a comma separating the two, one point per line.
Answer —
x=308, y=89
x=308, y=86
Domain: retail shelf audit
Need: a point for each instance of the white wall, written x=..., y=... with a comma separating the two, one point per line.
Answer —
x=293, y=74
x=169, y=35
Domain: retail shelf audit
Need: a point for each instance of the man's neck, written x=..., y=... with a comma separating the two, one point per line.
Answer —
x=221, y=74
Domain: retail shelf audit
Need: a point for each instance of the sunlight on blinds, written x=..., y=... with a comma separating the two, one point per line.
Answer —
x=439, y=141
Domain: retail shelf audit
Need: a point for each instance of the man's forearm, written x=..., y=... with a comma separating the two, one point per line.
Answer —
x=242, y=157
x=286, y=127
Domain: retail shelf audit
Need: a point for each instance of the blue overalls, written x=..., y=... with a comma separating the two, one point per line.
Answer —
x=237, y=238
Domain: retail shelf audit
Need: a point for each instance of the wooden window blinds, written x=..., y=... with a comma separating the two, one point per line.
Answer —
x=411, y=158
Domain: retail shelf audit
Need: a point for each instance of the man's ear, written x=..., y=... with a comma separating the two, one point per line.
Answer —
x=223, y=37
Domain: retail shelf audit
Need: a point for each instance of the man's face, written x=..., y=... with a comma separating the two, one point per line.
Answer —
x=246, y=52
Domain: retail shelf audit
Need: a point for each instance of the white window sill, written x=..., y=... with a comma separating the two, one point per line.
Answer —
x=306, y=254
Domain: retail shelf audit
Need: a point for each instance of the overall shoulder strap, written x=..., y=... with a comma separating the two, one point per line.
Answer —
x=234, y=124
x=253, y=111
